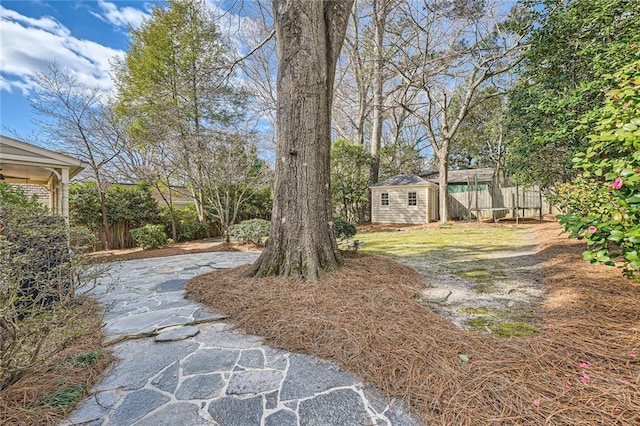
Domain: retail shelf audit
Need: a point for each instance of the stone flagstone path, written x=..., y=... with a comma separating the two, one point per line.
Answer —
x=186, y=366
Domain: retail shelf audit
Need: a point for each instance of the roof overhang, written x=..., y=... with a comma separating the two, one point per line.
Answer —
x=21, y=162
x=411, y=186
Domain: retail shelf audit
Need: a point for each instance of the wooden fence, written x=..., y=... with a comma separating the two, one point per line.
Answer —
x=499, y=202
x=120, y=237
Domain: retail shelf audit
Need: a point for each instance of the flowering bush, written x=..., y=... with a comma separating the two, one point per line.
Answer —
x=603, y=204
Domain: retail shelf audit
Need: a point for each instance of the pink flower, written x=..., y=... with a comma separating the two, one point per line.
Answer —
x=585, y=378
x=617, y=410
x=584, y=364
x=536, y=402
x=632, y=355
x=592, y=229
x=617, y=183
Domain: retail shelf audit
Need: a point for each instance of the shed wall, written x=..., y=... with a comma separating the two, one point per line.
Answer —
x=398, y=210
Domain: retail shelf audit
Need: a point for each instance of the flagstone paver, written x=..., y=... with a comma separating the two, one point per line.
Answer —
x=180, y=364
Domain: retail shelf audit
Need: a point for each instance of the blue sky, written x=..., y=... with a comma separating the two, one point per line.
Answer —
x=83, y=36
x=80, y=35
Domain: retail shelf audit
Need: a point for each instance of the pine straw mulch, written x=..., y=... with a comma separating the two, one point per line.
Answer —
x=583, y=369
x=24, y=402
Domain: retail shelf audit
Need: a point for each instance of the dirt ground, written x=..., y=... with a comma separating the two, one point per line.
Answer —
x=485, y=289
x=577, y=363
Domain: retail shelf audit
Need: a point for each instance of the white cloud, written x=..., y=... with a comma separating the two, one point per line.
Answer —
x=29, y=44
x=120, y=17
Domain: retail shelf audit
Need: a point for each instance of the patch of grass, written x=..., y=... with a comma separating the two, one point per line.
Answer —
x=500, y=328
x=418, y=242
x=474, y=311
x=480, y=275
x=87, y=359
x=503, y=323
x=514, y=329
x=65, y=396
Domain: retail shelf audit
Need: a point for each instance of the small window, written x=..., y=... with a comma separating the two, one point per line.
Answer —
x=413, y=198
x=384, y=199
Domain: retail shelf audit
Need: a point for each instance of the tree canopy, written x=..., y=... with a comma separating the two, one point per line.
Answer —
x=573, y=46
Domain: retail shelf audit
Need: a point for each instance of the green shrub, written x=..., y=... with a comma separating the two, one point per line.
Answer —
x=40, y=270
x=87, y=359
x=82, y=239
x=343, y=229
x=188, y=226
x=253, y=230
x=603, y=203
x=131, y=205
x=150, y=236
x=66, y=396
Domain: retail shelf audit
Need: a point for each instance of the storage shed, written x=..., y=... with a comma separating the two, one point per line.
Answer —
x=406, y=199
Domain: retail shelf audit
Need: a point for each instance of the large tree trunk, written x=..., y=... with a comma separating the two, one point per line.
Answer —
x=301, y=241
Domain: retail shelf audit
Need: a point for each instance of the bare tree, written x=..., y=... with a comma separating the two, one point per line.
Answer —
x=155, y=163
x=381, y=12
x=352, y=105
x=361, y=93
x=79, y=117
x=448, y=47
x=233, y=174
x=301, y=240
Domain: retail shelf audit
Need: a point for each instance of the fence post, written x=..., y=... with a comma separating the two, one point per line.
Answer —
x=540, y=199
x=517, y=204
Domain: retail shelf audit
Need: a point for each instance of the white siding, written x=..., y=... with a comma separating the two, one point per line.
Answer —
x=398, y=210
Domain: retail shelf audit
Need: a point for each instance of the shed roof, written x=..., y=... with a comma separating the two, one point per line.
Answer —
x=462, y=176
x=399, y=180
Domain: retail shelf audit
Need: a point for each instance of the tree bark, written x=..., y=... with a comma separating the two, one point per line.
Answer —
x=301, y=241
x=443, y=181
x=379, y=24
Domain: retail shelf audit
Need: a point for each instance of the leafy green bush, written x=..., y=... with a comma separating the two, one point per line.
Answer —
x=258, y=206
x=84, y=205
x=82, y=239
x=127, y=208
x=603, y=205
x=188, y=225
x=134, y=205
x=253, y=230
x=149, y=236
x=343, y=229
